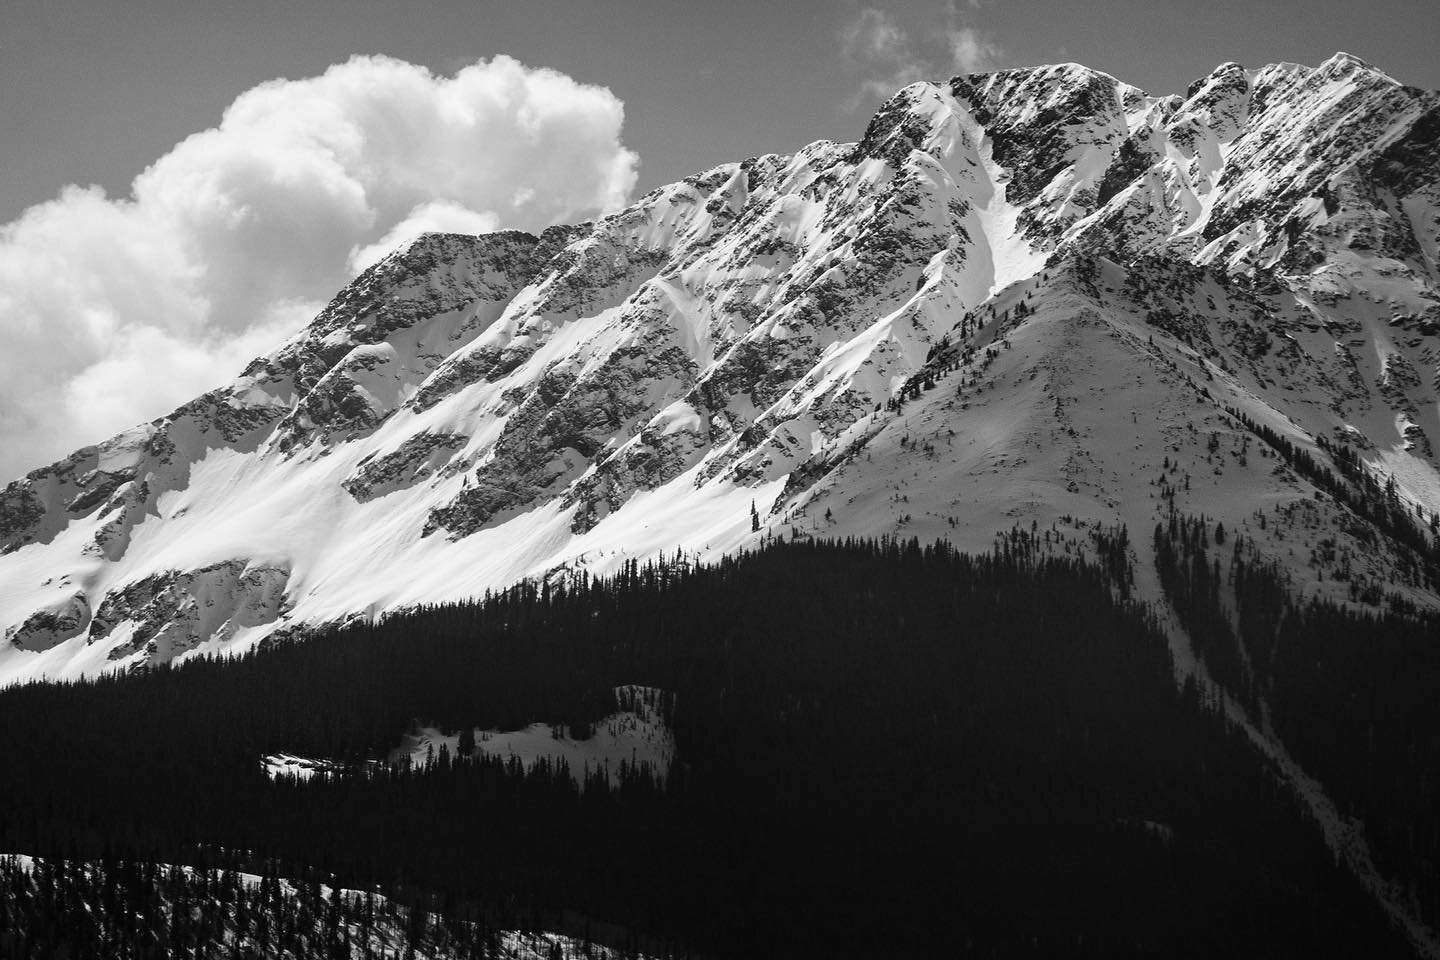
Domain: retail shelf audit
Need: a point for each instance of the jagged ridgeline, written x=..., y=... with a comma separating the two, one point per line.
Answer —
x=882, y=749
x=1020, y=296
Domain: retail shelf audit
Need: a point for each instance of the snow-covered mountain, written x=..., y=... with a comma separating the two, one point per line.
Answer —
x=1033, y=296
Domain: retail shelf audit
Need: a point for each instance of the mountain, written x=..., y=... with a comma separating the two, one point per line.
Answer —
x=1035, y=298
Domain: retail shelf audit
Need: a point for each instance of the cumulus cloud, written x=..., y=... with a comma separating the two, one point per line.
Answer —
x=115, y=310
x=884, y=55
x=437, y=216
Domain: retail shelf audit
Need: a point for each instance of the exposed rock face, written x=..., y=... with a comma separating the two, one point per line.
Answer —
x=172, y=612
x=415, y=459
x=1026, y=296
x=46, y=628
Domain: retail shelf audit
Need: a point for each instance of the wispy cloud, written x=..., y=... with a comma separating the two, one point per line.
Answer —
x=878, y=48
x=972, y=51
x=115, y=310
x=885, y=57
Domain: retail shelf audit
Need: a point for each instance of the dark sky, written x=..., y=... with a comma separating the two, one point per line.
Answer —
x=91, y=91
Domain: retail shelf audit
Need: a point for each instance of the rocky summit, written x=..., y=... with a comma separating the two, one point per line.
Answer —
x=1037, y=298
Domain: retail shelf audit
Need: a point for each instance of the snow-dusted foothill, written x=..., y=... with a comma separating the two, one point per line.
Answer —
x=106, y=908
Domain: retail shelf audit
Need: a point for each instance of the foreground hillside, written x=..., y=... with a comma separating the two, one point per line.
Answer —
x=1034, y=296
x=119, y=910
x=881, y=750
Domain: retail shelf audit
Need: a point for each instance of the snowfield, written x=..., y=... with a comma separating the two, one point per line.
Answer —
x=634, y=737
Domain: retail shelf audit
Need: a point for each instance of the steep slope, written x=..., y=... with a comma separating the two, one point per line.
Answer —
x=1029, y=297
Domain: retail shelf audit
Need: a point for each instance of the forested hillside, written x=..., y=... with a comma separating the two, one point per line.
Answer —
x=882, y=749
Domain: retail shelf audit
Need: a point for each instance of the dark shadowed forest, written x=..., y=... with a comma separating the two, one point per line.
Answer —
x=882, y=749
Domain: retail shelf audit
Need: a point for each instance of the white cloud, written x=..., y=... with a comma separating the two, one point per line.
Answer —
x=437, y=216
x=971, y=51
x=885, y=56
x=878, y=48
x=113, y=311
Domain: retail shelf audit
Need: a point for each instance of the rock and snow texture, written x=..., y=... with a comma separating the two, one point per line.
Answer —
x=1021, y=297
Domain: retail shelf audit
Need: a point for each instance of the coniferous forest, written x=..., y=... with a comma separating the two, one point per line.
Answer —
x=1351, y=694
x=882, y=749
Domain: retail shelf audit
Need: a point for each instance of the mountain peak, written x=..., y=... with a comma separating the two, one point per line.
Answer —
x=1226, y=74
x=1340, y=60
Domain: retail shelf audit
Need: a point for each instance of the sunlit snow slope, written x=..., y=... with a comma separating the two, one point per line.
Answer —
x=1023, y=297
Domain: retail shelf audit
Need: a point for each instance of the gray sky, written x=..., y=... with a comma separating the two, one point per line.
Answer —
x=229, y=205
x=93, y=90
